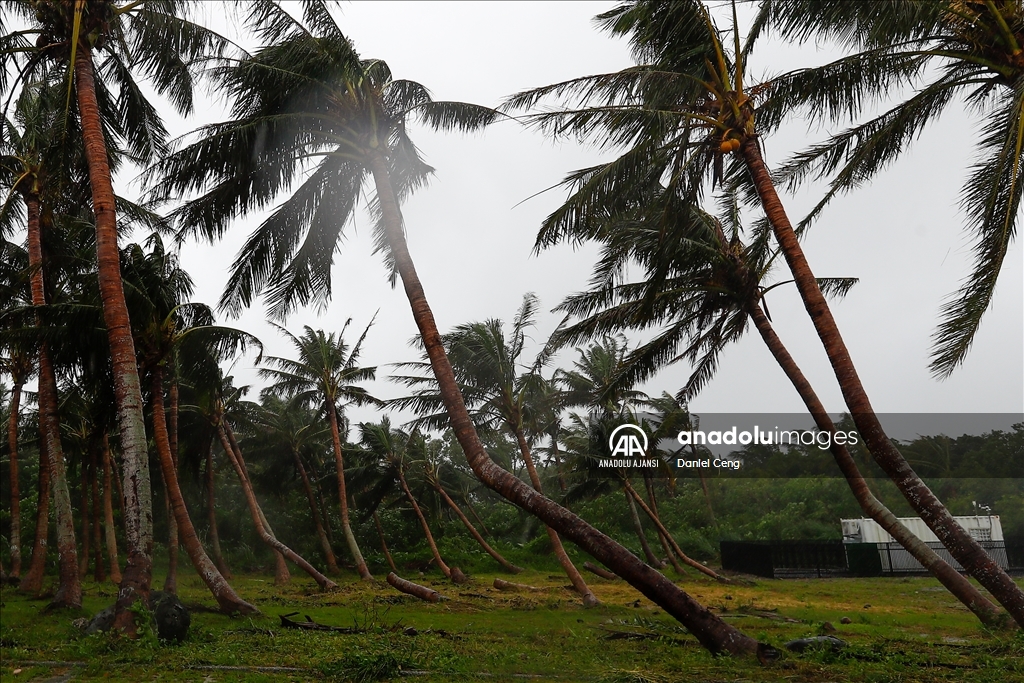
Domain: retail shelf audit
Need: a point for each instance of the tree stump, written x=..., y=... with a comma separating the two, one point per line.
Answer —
x=503, y=585
x=410, y=588
x=600, y=571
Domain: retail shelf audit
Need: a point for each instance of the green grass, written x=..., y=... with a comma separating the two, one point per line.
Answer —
x=912, y=631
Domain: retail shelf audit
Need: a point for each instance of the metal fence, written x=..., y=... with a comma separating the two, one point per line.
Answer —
x=773, y=559
x=791, y=559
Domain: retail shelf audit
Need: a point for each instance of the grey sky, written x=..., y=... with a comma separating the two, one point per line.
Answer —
x=471, y=237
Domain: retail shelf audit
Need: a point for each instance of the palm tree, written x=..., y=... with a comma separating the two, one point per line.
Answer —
x=595, y=380
x=487, y=367
x=684, y=114
x=290, y=427
x=18, y=362
x=165, y=328
x=309, y=94
x=326, y=373
x=19, y=366
x=396, y=450
x=32, y=159
x=954, y=51
x=432, y=474
x=702, y=288
x=155, y=37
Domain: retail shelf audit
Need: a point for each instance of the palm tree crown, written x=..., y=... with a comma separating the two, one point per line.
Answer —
x=954, y=52
x=307, y=98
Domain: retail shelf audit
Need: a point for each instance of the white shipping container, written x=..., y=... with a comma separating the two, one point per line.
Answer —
x=980, y=527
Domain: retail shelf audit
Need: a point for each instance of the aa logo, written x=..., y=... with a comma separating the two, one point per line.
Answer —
x=628, y=441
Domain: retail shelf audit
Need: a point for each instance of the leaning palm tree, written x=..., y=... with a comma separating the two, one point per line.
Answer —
x=326, y=374
x=686, y=114
x=32, y=156
x=19, y=366
x=700, y=291
x=497, y=390
x=290, y=429
x=222, y=401
x=308, y=95
x=166, y=327
x=953, y=51
x=394, y=451
x=433, y=473
x=153, y=37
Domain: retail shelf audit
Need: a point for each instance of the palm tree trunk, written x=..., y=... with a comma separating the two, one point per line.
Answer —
x=346, y=526
x=83, y=558
x=324, y=512
x=12, y=444
x=281, y=574
x=653, y=501
x=383, y=543
x=69, y=590
x=332, y=562
x=712, y=632
x=472, y=530
x=171, y=581
x=577, y=580
x=138, y=521
x=959, y=586
x=445, y=569
x=672, y=541
x=226, y=597
x=99, y=573
x=108, y=516
x=211, y=511
x=472, y=510
x=258, y=519
x=32, y=582
x=638, y=527
x=967, y=551
x=707, y=497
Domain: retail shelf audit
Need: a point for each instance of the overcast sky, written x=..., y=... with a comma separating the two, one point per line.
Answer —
x=471, y=232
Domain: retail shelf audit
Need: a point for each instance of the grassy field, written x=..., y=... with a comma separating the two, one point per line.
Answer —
x=901, y=630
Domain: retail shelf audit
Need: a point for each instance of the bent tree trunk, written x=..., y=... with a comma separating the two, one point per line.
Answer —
x=472, y=530
x=12, y=444
x=281, y=574
x=967, y=551
x=589, y=599
x=686, y=559
x=108, y=516
x=638, y=528
x=32, y=582
x=346, y=527
x=223, y=593
x=171, y=581
x=383, y=543
x=69, y=590
x=445, y=569
x=959, y=586
x=712, y=632
x=138, y=504
x=211, y=512
x=332, y=562
x=258, y=519
x=665, y=545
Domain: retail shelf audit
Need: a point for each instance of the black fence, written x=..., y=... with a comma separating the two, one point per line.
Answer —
x=773, y=559
x=806, y=559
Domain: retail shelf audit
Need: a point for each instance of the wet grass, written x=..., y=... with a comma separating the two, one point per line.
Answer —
x=900, y=630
